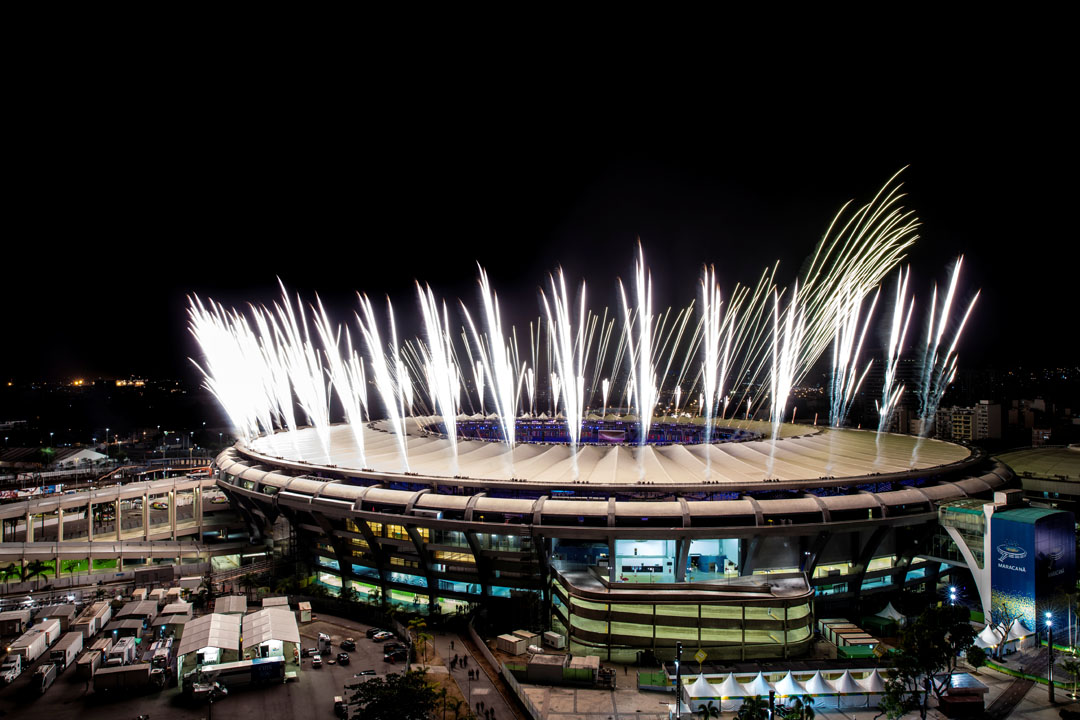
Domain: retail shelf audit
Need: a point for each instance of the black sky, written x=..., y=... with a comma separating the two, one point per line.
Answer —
x=122, y=209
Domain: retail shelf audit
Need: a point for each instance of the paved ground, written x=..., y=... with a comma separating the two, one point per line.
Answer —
x=310, y=697
x=482, y=690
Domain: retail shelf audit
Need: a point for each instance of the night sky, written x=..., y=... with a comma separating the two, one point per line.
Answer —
x=122, y=218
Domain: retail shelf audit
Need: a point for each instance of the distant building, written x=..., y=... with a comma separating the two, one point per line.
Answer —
x=966, y=424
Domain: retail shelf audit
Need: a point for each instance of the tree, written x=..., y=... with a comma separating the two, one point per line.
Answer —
x=398, y=696
x=348, y=594
x=33, y=569
x=420, y=636
x=796, y=709
x=10, y=571
x=976, y=657
x=248, y=582
x=927, y=654
x=709, y=711
x=70, y=566
x=753, y=708
x=1072, y=666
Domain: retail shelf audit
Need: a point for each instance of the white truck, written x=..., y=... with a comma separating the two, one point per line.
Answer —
x=65, y=651
x=44, y=677
x=51, y=627
x=122, y=653
x=30, y=645
x=11, y=668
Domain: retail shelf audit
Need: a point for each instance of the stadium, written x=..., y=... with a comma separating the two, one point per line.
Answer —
x=733, y=546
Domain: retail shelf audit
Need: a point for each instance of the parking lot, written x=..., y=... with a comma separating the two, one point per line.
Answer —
x=309, y=697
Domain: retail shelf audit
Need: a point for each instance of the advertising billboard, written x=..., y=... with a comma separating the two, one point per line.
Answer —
x=1033, y=551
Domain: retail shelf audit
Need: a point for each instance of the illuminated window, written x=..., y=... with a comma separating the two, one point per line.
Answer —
x=452, y=557
x=376, y=528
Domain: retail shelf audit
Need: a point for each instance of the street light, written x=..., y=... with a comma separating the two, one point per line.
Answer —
x=1050, y=656
x=952, y=595
x=678, y=679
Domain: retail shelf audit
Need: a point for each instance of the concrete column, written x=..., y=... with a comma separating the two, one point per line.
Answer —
x=116, y=515
x=172, y=513
x=89, y=521
x=146, y=515
x=59, y=524
x=196, y=512
x=29, y=527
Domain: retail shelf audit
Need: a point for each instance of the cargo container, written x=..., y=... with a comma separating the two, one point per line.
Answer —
x=93, y=619
x=30, y=645
x=64, y=612
x=140, y=594
x=158, y=595
x=257, y=671
x=51, y=629
x=128, y=678
x=555, y=640
x=65, y=651
x=88, y=663
x=14, y=622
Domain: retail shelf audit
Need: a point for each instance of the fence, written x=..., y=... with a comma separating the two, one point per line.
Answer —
x=514, y=685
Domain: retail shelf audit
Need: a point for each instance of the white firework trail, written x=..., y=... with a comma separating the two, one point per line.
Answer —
x=496, y=360
x=568, y=345
x=478, y=378
x=891, y=392
x=847, y=346
x=788, y=330
x=530, y=390
x=939, y=369
x=716, y=353
x=642, y=375
x=678, y=397
x=439, y=366
x=276, y=374
x=605, y=388
x=305, y=370
x=382, y=373
x=340, y=376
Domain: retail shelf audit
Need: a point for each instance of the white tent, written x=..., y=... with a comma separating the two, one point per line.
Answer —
x=820, y=689
x=701, y=692
x=758, y=686
x=891, y=613
x=990, y=637
x=1017, y=631
x=848, y=692
x=731, y=693
x=788, y=686
x=684, y=710
x=874, y=687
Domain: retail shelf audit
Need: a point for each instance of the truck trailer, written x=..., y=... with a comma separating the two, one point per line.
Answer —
x=122, y=653
x=65, y=651
x=128, y=678
x=30, y=645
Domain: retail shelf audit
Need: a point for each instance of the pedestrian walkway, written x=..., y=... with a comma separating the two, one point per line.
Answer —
x=480, y=690
x=1006, y=701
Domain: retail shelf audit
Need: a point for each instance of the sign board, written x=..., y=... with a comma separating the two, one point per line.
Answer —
x=700, y=656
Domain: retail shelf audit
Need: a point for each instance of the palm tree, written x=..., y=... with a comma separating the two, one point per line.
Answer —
x=70, y=566
x=33, y=569
x=455, y=707
x=420, y=636
x=1072, y=666
x=12, y=570
x=709, y=711
x=753, y=708
x=797, y=710
x=248, y=582
x=441, y=695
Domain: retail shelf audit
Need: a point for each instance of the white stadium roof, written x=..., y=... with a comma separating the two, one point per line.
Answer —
x=802, y=453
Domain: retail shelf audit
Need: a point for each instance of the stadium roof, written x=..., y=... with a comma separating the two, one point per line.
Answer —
x=1046, y=462
x=801, y=453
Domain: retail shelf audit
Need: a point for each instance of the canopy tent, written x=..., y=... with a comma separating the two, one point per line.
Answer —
x=849, y=693
x=758, y=686
x=731, y=693
x=701, y=692
x=788, y=686
x=819, y=689
x=990, y=637
x=891, y=613
x=684, y=710
x=1017, y=631
x=873, y=683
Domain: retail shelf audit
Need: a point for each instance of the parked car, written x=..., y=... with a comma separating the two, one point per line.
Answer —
x=396, y=656
x=339, y=707
x=393, y=645
x=364, y=672
x=343, y=658
x=348, y=644
x=383, y=636
x=308, y=652
x=371, y=632
x=316, y=661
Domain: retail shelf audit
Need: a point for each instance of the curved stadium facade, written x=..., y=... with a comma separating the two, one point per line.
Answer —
x=732, y=546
